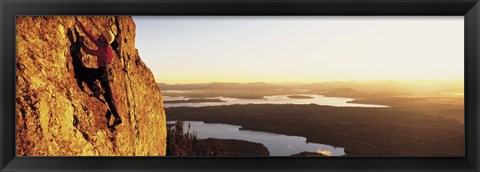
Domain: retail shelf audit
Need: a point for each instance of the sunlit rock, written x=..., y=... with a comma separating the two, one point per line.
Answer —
x=55, y=117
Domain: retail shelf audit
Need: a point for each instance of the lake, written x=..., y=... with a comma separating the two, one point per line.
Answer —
x=277, y=99
x=277, y=144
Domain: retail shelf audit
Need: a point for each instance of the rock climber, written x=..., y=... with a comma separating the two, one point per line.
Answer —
x=104, y=72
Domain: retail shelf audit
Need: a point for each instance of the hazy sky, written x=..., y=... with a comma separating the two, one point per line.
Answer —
x=196, y=49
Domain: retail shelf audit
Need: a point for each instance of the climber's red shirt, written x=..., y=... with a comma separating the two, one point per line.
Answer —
x=104, y=51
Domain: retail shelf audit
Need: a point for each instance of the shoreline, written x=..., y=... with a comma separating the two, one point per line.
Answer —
x=361, y=131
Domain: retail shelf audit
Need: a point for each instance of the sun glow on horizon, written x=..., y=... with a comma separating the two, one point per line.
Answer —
x=179, y=80
x=196, y=49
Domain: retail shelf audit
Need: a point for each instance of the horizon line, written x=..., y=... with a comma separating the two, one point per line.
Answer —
x=332, y=81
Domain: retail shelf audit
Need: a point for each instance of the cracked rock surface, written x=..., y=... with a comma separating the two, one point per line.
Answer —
x=55, y=116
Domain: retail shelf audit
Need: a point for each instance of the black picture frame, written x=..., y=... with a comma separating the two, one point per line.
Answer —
x=470, y=9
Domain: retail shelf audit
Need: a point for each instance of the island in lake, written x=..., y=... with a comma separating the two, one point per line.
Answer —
x=300, y=97
x=193, y=101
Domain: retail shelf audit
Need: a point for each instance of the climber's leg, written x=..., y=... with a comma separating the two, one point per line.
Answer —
x=107, y=115
x=111, y=101
x=91, y=75
x=97, y=90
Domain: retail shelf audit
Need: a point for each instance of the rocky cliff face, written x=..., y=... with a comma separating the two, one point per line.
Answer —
x=55, y=116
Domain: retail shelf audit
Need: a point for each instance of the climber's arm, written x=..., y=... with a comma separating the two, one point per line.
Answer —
x=88, y=50
x=88, y=33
